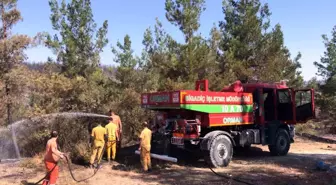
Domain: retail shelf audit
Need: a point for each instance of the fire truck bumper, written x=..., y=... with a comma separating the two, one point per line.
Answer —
x=161, y=157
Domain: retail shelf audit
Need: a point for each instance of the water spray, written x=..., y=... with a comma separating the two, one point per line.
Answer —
x=13, y=128
x=15, y=143
x=62, y=114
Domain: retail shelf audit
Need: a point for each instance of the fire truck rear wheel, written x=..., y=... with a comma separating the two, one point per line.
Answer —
x=221, y=151
x=281, y=145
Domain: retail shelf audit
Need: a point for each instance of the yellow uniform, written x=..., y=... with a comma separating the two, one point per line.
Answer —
x=145, y=146
x=98, y=144
x=111, y=130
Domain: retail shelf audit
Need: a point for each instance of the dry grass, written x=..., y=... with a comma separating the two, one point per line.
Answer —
x=81, y=152
x=33, y=162
x=316, y=127
x=256, y=166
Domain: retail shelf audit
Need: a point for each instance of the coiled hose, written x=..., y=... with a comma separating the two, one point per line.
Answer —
x=70, y=169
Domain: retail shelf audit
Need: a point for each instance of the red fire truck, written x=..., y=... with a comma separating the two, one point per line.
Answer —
x=212, y=124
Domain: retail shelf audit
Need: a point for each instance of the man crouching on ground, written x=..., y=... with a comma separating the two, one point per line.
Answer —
x=51, y=158
x=145, y=147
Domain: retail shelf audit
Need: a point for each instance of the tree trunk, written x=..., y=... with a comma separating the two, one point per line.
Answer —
x=9, y=115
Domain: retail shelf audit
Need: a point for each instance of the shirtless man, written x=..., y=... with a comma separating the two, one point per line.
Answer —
x=51, y=158
x=116, y=120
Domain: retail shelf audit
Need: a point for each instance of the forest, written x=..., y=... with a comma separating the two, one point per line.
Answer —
x=242, y=46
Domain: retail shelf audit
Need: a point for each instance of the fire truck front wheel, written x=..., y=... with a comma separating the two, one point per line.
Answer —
x=281, y=145
x=221, y=151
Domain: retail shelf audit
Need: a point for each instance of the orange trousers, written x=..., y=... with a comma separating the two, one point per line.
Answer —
x=53, y=176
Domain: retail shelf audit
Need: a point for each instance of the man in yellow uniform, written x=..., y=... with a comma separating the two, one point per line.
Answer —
x=98, y=134
x=112, y=138
x=145, y=146
x=116, y=120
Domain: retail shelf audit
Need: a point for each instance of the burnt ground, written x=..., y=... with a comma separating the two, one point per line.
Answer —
x=255, y=166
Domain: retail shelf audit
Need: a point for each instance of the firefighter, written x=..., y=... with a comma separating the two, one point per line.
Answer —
x=116, y=120
x=98, y=136
x=112, y=138
x=51, y=158
x=145, y=147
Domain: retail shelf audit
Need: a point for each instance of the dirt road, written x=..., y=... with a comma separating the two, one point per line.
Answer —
x=256, y=167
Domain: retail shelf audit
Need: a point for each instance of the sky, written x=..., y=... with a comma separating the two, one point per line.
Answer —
x=303, y=22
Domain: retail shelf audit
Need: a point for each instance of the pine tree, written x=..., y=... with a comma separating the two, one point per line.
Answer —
x=185, y=14
x=184, y=63
x=11, y=51
x=124, y=56
x=327, y=65
x=133, y=79
x=250, y=49
x=216, y=79
x=312, y=83
x=159, y=57
x=327, y=70
x=79, y=43
x=179, y=65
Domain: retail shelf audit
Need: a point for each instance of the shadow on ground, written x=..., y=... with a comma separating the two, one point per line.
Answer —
x=253, y=166
x=317, y=139
x=24, y=182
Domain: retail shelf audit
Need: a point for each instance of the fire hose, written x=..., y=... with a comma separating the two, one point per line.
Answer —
x=171, y=159
x=70, y=169
x=48, y=173
x=227, y=177
x=137, y=152
x=244, y=181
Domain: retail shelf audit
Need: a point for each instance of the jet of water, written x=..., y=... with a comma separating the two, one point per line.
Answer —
x=16, y=126
x=62, y=114
x=15, y=143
